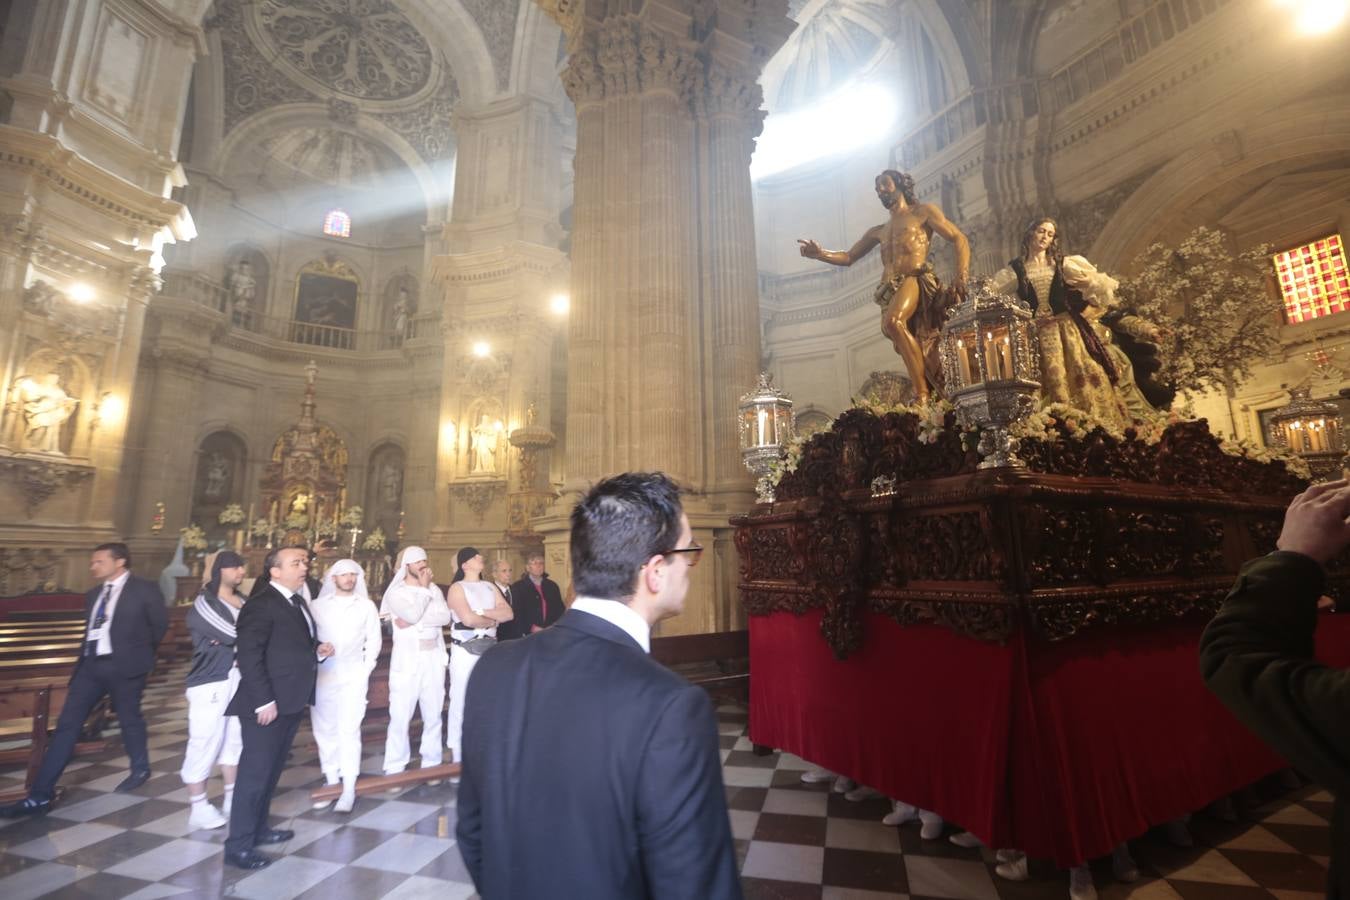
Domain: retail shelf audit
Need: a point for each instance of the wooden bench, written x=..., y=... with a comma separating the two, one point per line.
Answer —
x=718, y=662
x=31, y=707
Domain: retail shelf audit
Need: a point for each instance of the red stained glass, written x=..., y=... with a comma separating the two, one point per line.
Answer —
x=1314, y=280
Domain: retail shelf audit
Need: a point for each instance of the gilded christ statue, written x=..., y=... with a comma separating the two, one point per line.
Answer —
x=912, y=301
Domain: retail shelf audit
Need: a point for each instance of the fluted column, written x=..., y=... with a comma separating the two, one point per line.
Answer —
x=664, y=332
x=731, y=298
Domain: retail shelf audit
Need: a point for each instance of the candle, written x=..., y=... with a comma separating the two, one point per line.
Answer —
x=1006, y=357
x=990, y=366
x=761, y=424
x=964, y=360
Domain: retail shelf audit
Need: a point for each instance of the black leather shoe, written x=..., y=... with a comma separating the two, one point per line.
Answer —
x=25, y=807
x=273, y=836
x=133, y=781
x=248, y=859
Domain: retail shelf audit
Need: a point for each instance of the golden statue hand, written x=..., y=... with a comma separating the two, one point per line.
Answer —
x=959, y=284
x=810, y=249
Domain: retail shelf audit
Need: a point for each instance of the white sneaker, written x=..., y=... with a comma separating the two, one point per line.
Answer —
x=861, y=793
x=817, y=775
x=321, y=804
x=932, y=825
x=843, y=784
x=1123, y=864
x=1008, y=854
x=346, y=802
x=900, y=813
x=967, y=840
x=1080, y=884
x=396, y=789
x=205, y=816
x=1014, y=870
x=1178, y=835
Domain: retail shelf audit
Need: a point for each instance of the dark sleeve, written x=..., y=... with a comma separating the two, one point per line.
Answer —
x=254, y=630
x=684, y=833
x=1257, y=656
x=555, y=602
x=155, y=612
x=469, y=808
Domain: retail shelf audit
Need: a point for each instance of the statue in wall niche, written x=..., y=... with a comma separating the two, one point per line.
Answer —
x=402, y=312
x=217, y=475
x=911, y=298
x=300, y=505
x=484, y=446
x=391, y=483
x=243, y=289
x=45, y=408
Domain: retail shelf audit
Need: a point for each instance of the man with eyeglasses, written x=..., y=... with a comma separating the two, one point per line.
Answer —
x=579, y=724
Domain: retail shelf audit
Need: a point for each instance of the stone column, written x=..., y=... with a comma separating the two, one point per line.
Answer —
x=495, y=285
x=664, y=328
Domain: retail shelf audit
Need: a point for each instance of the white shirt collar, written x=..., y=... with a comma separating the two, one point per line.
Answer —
x=285, y=591
x=618, y=613
x=120, y=581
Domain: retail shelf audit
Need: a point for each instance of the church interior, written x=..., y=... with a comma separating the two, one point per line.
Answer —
x=364, y=274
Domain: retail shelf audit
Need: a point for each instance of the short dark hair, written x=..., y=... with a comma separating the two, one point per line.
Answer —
x=118, y=550
x=620, y=524
x=270, y=561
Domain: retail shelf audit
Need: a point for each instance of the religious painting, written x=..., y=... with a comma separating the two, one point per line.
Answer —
x=325, y=300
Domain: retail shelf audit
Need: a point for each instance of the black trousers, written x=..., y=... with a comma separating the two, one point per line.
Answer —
x=260, y=767
x=94, y=678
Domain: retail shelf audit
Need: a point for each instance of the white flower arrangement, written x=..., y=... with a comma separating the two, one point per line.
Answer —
x=1248, y=449
x=193, y=537
x=231, y=515
x=374, y=541
x=352, y=517
x=788, y=462
x=297, y=520
x=262, y=526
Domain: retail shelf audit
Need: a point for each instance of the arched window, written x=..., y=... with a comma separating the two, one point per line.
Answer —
x=337, y=224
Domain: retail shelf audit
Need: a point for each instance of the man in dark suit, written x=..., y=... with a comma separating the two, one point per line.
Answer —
x=279, y=655
x=536, y=599
x=125, y=620
x=579, y=724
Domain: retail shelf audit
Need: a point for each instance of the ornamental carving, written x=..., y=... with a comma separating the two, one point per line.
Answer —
x=367, y=49
x=497, y=21
x=28, y=569
x=38, y=479
x=1083, y=538
x=478, y=496
x=1084, y=221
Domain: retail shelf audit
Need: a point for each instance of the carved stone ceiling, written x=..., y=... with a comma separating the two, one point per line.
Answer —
x=834, y=41
x=363, y=49
x=356, y=57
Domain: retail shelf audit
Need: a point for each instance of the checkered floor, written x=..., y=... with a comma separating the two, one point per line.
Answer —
x=793, y=840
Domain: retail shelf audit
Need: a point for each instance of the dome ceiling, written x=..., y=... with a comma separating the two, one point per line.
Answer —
x=835, y=40
x=356, y=58
x=333, y=157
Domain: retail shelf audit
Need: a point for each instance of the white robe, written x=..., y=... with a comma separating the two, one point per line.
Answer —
x=416, y=675
x=352, y=625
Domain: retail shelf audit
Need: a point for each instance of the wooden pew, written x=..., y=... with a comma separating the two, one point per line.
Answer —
x=32, y=706
x=718, y=662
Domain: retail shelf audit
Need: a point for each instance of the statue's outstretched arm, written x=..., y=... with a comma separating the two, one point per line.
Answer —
x=811, y=250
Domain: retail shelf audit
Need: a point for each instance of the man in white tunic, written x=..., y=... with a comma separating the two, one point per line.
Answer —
x=347, y=619
x=418, y=612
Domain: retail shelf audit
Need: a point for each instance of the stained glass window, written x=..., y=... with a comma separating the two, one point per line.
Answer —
x=1314, y=280
x=337, y=224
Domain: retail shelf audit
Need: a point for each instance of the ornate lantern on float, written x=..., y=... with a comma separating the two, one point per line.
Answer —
x=766, y=425
x=1312, y=429
x=992, y=368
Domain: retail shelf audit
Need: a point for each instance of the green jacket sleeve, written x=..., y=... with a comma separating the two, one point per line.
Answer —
x=1257, y=656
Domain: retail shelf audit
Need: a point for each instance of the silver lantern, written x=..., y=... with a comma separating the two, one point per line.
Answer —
x=766, y=425
x=991, y=364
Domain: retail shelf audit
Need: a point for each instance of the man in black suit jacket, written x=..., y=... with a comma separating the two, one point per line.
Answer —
x=278, y=654
x=536, y=600
x=579, y=725
x=125, y=620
